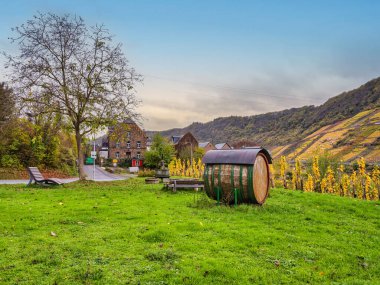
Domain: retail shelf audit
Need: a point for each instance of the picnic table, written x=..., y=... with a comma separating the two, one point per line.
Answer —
x=184, y=183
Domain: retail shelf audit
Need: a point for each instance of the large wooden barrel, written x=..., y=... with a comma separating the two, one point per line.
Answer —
x=241, y=175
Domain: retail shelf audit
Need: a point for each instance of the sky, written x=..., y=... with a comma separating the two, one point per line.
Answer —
x=204, y=59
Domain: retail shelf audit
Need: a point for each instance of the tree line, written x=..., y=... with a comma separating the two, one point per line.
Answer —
x=69, y=80
x=42, y=140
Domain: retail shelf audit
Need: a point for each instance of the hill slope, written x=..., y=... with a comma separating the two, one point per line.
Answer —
x=347, y=139
x=288, y=126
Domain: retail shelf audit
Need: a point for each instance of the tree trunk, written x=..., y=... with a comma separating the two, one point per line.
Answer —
x=78, y=138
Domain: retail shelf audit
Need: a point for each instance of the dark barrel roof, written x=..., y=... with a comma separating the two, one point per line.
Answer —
x=235, y=156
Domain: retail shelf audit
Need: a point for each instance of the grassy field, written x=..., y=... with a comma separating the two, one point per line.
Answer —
x=132, y=233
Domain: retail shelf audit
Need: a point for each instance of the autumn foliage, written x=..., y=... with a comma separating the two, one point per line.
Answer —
x=357, y=183
x=186, y=168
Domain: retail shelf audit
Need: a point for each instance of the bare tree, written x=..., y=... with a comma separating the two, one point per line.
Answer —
x=7, y=104
x=77, y=71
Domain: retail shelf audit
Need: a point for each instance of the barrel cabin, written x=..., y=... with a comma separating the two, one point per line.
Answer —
x=237, y=175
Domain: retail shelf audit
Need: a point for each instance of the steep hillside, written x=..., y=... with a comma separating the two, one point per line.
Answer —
x=346, y=140
x=288, y=126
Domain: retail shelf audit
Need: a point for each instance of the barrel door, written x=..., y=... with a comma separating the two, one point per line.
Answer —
x=261, y=178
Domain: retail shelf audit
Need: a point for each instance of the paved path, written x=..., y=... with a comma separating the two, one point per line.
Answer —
x=22, y=181
x=100, y=175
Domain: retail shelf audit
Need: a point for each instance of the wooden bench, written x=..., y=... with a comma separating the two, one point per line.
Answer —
x=184, y=183
x=36, y=175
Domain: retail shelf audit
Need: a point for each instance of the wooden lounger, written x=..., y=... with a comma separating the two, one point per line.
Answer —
x=36, y=175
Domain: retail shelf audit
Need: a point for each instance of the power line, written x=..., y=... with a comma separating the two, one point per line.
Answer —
x=229, y=88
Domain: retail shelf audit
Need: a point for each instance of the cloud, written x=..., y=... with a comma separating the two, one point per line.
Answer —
x=178, y=103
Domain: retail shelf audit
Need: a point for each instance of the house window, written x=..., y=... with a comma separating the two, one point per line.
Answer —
x=117, y=144
x=117, y=154
x=128, y=134
x=128, y=144
x=138, y=144
x=128, y=154
x=138, y=155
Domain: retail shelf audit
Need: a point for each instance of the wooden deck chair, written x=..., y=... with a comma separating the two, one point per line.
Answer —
x=36, y=175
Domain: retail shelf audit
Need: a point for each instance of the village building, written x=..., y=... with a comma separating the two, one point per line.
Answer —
x=185, y=142
x=223, y=146
x=244, y=144
x=127, y=141
x=149, y=143
x=206, y=146
x=101, y=146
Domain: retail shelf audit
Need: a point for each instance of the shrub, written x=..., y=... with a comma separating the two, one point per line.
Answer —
x=146, y=173
x=10, y=161
x=161, y=149
x=108, y=162
x=69, y=170
x=125, y=162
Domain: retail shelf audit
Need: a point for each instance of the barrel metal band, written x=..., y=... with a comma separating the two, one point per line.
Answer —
x=206, y=180
x=213, y=179
x=253, y=187
x=251, y=193
x=220, y=180
x=241, y=182
x=232, y=177
x=233, y=182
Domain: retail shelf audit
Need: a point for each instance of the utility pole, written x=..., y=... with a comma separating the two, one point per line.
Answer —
x=94, y=160
x=191, y=152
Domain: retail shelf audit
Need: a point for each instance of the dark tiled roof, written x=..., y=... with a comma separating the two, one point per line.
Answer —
x=100, y=141
x=219, y=145
x=203, y=144
x=175, y=139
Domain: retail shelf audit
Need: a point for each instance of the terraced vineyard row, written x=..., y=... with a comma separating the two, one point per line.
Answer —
x=346, y=140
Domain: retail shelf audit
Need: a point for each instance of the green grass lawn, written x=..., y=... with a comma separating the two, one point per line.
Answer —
x=132, y=233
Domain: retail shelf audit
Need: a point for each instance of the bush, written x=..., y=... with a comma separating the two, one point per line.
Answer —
x=110, y=170
x=146, y=173
x=124, y=162
x=108, y=162
x=161, y=149
x=152, y=159
x=69, y=170
x=10, y=161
